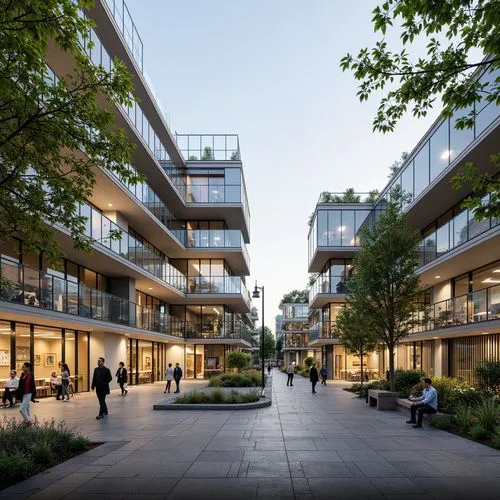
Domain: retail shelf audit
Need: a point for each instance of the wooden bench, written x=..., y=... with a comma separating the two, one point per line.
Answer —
x=383, y=400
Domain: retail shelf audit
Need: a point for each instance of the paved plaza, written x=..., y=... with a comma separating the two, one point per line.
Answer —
x=329, y=445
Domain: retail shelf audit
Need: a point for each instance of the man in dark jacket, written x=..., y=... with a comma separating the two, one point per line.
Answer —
x=177, y=376
x=313, y=377
x=100, y=382
x=26, y=392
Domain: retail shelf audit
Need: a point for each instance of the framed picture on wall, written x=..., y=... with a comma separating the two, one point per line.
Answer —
x=38, y=359
x=212, y=363
x=50, y=359
x=22, y=353
x=147, y=361
x=4, y=357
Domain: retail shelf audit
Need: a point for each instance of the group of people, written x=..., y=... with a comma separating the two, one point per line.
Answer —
x=313, y=375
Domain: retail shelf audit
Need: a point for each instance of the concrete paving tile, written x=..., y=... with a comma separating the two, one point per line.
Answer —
x=325, y=469
x=209, y=469
x=128, y=485
x=222, y=456
x=354, y=455
x=268, y=469
x=403, y=456
x=314, y=456
x=300, y=444
x=416, y=469
x=225, y=489
x=343, y=489
x=378, y=469
x=396, y=486
x=340, y=444
x=265, y=455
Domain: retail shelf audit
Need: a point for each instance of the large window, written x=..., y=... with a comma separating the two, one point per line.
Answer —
x=439, y=150
x=5, y=349
x=421, y=169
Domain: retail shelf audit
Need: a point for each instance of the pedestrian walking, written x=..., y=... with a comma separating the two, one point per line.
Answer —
x=323, y=374
x=290, y=371
x=26, y=392
x=65, y=382
x=100, y=382
x=177, y=376
x=121, y=377
x=313, y=377
x=170, y=376
x=269, y=368
x=10, y=388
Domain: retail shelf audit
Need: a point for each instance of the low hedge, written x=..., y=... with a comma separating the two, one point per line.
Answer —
x=25, y=451
x=218, y=397
x=249, y=378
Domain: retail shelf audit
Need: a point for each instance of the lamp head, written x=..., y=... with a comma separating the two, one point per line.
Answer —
x=256, y=292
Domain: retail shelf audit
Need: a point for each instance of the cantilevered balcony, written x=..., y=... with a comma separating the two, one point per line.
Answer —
x=216, y=243
x=25, y=286
x=295, y=341
x=323, y=333
x=209, y=147
x=326, y=289
x=215, y=330
x=477, y=309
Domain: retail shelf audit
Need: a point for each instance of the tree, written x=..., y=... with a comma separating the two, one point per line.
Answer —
x=348, y=196
x=372, y=196
x=207, y=154
x=396, y=166
x=54, y=129
x=237, y=359
x=295, y=297
x=279, y=348
x=356, y=337
x=453, y=31
x=269, y=343
x=384, y=291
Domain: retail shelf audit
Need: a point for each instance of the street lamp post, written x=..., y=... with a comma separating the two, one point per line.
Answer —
x=256, y=295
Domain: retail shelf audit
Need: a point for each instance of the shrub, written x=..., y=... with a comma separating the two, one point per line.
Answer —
x=237, y=359
x=486, y=414
x=309, y=361
x=495, y=439
x=454, y=394
x=417, y=389
x=463, y=416
x=249, y=378
x=443, y=422
x=405, y=380
x=218, y=397
x=488, y=376
x=478, y=432
x=27, y=450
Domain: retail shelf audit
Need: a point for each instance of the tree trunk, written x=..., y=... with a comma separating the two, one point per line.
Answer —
x=391, y=368
x=362, y=375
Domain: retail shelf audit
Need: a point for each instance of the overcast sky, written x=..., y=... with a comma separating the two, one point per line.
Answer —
x=268, y=70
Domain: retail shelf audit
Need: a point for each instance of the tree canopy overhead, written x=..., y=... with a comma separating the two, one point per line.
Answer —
x=48, y=122
x=453, y=30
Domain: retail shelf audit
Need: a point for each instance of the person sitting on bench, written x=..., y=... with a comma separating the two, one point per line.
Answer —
x=10, y=390
x=426, y=403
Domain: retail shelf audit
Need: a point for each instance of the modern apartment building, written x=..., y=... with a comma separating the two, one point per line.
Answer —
x=459, y=258
x=295, y=334
x=172, y=289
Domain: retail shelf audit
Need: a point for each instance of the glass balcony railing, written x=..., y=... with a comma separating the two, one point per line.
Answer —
x=216, y=329
x=217, y=284
x=99, y=227
x=295, y=326
x=295, y=311
x=322, y=330
x=457, y=231
x=35, y=288
x=475, y=307
x=209, y=147
x=212, y=238
x=335, y=285
x=295, y=340
x=127, y=28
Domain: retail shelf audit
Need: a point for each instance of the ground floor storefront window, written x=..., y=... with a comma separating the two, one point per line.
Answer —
x=205, y=361
x=45, y=348
x=146, y=361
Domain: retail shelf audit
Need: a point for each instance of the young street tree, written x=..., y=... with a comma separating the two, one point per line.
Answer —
x=355, y=335
x=453, y=31
x=295, y=297
x=269, y=343
x=54, y=131
x=384, y=291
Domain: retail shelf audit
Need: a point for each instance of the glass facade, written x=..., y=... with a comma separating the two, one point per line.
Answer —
x=445, y=143
x=336, y=228
x=332, y=279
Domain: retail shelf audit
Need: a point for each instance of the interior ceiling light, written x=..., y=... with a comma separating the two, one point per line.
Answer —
x=110, y=204
x=490, y=280
x=445, y=155
x=437, y=277
x=341, y=228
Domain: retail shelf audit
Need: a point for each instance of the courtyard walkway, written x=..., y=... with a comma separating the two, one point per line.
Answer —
x=328, y=445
